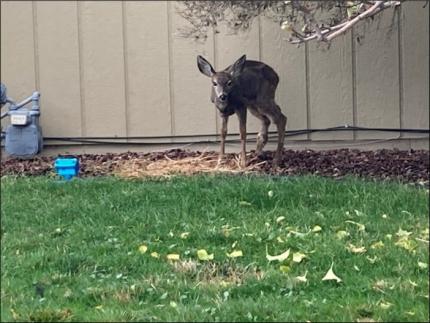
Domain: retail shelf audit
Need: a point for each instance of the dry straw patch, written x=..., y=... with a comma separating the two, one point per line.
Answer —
x=167, y=167
x=217, y=274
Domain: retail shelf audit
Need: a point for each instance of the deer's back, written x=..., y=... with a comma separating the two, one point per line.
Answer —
x=257, y=81
x=259, y=69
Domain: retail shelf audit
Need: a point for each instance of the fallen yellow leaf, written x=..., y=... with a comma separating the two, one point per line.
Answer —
x=298, y=256
x=184, y=235
x=422, y=265
x=235, y=254
x=385, y=305
x=203, y=255
x=372, y=260
x=14, y=314
x=377, y=245
x=361, y=227
x=224, y=283
x=316, y=228
x=303, y=278
x=414, y=284
x=355, y=249
x=284, y=269
x=341, y=234
x=143, y=248
x=381, y=285
x=330, y=275
x=280, y=218
x=407, y=244
x=298, y=234
x=280, y=257
x=403, y=233
x=172, y=256
x=155, y=254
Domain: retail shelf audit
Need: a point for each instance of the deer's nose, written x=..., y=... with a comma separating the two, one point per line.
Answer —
x=222, y=97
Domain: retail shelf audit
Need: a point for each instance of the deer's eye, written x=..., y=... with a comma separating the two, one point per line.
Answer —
x=229, y=83
x=214, y=83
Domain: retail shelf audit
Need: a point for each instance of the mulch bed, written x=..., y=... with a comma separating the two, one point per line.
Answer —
x=410, y=166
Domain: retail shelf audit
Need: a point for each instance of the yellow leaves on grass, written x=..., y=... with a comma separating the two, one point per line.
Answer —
x=372, y=260
x=402, y=238
x=422, y=265
x=155, y=255
x=235, y=254
x=172, y=256
x=404, y=241
x=341, y=234
x=385, y=305
x=285, y=269
x=184, y=235
x=143, y=248
x=330, y=275
x=360, y=227
x=302, y=279
x=283, y=256
x=377, y=245
x=382, y=285
x=355, y=249
x=203, y=255
x=279, y=219
x=316, y=228
x=226, y=230
x=298, y=257
x=403, y=233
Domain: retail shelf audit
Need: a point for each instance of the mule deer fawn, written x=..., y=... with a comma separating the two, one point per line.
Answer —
x=246, y=85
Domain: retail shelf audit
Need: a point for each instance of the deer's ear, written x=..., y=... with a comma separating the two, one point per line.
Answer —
x=204, y=66
x=237, y=67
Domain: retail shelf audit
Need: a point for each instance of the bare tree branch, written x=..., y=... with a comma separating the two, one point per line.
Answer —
x=377, y=7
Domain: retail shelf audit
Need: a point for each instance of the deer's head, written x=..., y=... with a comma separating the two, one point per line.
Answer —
x=223, y=82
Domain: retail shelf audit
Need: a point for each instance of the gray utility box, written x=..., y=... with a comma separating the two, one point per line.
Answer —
x=23, y=136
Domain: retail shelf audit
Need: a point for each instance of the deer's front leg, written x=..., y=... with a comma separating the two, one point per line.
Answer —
x=223, y=135
x=241, y=114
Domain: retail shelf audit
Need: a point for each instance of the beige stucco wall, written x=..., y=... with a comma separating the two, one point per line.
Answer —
x=120, y=69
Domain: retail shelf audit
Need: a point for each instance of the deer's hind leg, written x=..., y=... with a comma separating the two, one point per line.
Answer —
x=262, y=136
x=273, y=111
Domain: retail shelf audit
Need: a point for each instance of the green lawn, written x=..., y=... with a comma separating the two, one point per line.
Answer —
x=86, y=250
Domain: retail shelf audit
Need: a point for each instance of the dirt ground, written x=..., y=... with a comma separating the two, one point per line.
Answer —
x=410, y=166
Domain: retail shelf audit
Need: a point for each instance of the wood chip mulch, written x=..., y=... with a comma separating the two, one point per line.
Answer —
x=411, y=166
